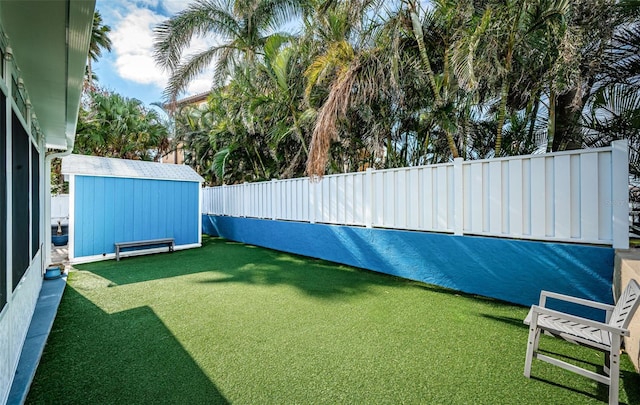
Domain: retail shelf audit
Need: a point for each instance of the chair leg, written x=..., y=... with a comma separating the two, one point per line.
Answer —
x=614, y=371
x=532, y=346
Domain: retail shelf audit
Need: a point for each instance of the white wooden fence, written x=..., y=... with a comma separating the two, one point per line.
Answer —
x=60, y=208
x=575, y=196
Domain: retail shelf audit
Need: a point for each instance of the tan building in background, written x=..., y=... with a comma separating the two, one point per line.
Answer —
x=176, y=156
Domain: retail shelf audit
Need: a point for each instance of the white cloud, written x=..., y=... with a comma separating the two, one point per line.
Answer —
x=175, y=6
x=133, y=47
x=199, y=85
x=132, y=37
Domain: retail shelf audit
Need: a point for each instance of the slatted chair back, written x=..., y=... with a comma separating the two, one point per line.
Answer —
x=626, y=305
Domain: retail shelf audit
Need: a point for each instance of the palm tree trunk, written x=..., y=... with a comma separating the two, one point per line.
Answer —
x=504, y=91
x=298, y=131
x=502, y=112
x=424, y=57
x=533, y=118
x=551, y=130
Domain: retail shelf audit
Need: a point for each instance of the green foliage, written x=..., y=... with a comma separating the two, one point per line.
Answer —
x=111, y=125
x=391, y=84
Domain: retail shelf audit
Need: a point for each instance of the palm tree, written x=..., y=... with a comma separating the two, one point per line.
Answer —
x=116, y=126
x=346, y=75
x=520, y=30
x=242, y=27
x=99, y=41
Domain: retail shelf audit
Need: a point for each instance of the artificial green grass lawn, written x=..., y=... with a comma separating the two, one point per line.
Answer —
x=231, y=323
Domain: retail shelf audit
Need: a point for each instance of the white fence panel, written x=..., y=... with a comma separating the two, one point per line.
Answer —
x=566, y=196
x=59, y=207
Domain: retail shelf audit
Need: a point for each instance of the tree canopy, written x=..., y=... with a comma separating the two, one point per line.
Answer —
x=368, y=83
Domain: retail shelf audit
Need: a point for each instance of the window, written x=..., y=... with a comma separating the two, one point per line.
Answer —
x=3, y=204
x=35, y=201
x=20, y=199
x=18, y=97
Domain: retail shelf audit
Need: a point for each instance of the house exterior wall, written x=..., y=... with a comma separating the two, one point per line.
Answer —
x=507, y=269
x=22, y=221
x=106, y=210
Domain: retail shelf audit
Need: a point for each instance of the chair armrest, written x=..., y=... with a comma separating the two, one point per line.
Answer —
x=583, y=321
x=588, y=303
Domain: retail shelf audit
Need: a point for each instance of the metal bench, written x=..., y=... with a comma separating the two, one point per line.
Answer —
x=151, y=242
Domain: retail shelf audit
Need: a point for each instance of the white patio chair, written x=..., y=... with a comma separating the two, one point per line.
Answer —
x=605, y=337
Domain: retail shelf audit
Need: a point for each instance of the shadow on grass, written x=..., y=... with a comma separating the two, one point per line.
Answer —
x=125, y=357
x=505, y=319
x=629, y=381
x=232, y=262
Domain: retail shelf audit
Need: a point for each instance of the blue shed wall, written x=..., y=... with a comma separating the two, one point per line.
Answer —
x=506, y=269
x=110, y=209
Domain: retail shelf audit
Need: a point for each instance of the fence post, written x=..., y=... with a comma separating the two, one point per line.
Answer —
x=620, y=193
x=274, y=199
x=224, y=199
x=371, y=200
x=244, y=200
x=458, y=197
x=312, y=199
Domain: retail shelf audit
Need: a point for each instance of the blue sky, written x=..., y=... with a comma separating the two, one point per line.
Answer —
x=129, y=69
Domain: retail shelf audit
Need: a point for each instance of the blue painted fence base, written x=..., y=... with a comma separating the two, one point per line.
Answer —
x=510, y=270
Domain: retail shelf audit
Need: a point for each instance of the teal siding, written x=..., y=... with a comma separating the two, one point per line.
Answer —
x=109, y=210
x=507, y=269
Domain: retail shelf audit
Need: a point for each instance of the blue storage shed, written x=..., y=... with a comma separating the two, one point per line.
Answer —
x=118, y=200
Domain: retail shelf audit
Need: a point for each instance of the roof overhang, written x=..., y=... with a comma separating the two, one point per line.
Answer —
x=50, y=42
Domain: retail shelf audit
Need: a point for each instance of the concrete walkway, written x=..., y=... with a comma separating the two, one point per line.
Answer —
x=39, y=329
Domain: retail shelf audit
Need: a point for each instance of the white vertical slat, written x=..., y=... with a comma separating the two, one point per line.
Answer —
x=620, y=194
x=441, y=198
x=538, y=197
x=359, y=205
x=325, y=198
x=334, y=200
x=341, y=183
x=495, y=197
x=458, y=197
x=387, y=204
x=369, y=198
x=451, y=203
x=305, y=199
x=274, y=200
x=486, y=200
x=312, y=200
x=550, y=200
x=293, y=200
x=380, y=195
x=466, y=178
x=562, y=196
x=413, y=199
x=504, y=166
x=400, y=199
x=266, y=200
x=605, y=205
x=349, y=198
x=515, y=187
x=476, y=200
x=427, y=198
x=575, y=210
x=301, y=201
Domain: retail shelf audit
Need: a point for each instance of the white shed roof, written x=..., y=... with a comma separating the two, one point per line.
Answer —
x=109, y=167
